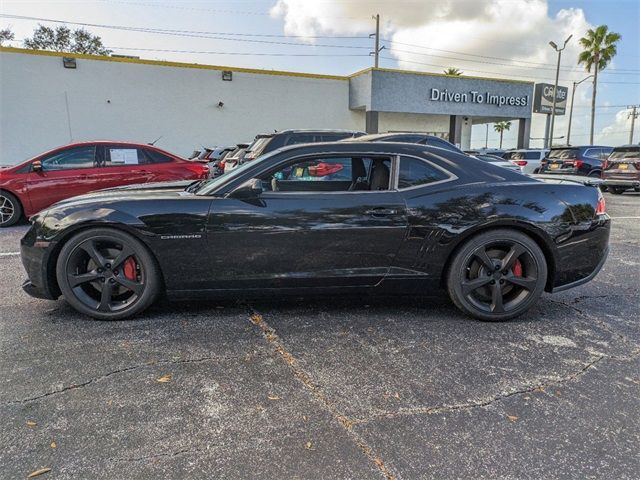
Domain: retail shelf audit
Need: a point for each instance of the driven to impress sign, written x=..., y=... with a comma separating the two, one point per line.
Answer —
x=543, y=99
x=473, y=96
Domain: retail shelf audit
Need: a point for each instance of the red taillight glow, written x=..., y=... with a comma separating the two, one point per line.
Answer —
x=578, y=163
x=601, y=207
x=520, y=163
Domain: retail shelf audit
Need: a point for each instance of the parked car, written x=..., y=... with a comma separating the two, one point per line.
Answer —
x=486, y=151
x=268, y=142
x=79, y=168
x=498, y=161
x=529, y=161
x=232, y=159
x=420, y=138
x=621, y=170
x=584, y=160
x=406, y=219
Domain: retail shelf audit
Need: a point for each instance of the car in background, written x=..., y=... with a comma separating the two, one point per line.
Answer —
x=498, y=161
x=268, y=142
x=486, y=151
x=231, y=160
x=419, y=138
x=80, y=168
x=582, y=160
x=621, y=171
x=528, y=160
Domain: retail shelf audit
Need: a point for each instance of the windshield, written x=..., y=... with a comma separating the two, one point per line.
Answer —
x=620, y=154
x=564, y=153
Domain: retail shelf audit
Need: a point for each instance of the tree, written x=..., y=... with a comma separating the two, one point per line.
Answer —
x=6, y=35
x=62, y=39
x=501, y=127
x=453, y=72
x=599, y=49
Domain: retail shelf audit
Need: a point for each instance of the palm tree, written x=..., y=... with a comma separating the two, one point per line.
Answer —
x=599, y=48
x=501, y=127
x=453, y=72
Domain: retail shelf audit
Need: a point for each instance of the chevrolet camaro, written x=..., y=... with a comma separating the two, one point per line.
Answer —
x=333, y=218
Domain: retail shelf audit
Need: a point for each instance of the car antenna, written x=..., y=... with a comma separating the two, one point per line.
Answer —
x=154, y=142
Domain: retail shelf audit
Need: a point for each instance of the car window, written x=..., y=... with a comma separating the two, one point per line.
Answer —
x=435, y=142
x=69, y=159
x=330, y=174
x=299, y=138
x=117, y=156
x=592, y=152
x=333, y=137
x=404, y=138
x=414, y=172
x=153, y=156
x=564, y=153
x=531, y=156
x=631, y=152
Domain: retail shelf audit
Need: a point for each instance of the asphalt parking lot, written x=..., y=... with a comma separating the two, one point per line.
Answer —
x=326, y=388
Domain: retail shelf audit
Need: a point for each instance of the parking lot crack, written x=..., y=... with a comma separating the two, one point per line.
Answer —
x=540, y=387
x=303, y=377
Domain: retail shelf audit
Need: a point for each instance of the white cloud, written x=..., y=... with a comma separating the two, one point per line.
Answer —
x=502, y=38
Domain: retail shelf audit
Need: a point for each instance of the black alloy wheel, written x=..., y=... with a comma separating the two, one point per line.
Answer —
x=107, y=274
x=497, y=275
x=10, y=209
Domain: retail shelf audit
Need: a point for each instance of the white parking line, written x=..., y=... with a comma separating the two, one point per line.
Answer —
x=620, y=218
x=9, y=254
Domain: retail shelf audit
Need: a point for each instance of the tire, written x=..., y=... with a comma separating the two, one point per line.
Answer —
x=10, y=209
x=107, y=274
x=594, y=174
x=480, y=283
x=617, y=190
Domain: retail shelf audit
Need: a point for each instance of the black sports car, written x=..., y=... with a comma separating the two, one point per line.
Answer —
x=343, y=217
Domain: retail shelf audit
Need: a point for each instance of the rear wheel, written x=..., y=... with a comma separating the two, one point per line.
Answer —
x=497, y=275
x=107, y=274
x=617, y=190
x=10, y=209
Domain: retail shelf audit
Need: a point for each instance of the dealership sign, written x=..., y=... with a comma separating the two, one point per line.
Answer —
x=473, y=96
x=543, y=99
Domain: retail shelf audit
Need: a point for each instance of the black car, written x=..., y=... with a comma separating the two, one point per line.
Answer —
x=333, y=218
x=585, y=160
x=268, y=142
x=621, y=171
x=419, y=138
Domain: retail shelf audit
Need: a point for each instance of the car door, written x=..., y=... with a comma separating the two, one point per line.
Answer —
x=65, y=173
x=122, y=165
x=316, y=223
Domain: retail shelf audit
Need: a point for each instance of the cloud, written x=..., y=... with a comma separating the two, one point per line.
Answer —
x=491, y=38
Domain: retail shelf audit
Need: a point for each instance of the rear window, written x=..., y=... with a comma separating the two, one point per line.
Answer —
x=434, y=142
x=620, y=154
x=153, y=156
x=414, y=172
x=258, y=145
x=522, y=155
x=564, y=153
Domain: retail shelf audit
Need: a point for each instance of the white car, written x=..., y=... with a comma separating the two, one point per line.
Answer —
x=528, y=160
x=498, y=161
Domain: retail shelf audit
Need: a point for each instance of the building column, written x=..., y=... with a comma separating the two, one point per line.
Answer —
x=455, y=129
x=524, y=132
x=371, y=122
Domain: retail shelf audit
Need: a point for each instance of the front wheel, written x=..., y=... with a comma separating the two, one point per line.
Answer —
x=107, y=274
x=497, y=275
x=10, y=209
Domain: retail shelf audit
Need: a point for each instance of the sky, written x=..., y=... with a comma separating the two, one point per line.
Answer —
x=489, y=38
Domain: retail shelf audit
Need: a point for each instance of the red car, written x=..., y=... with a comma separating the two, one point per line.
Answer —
x=79, y=168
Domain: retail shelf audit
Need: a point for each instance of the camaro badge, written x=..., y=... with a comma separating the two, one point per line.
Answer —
x=175, y=237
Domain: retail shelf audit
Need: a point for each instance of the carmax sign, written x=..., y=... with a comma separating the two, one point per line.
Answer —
x=543, y=99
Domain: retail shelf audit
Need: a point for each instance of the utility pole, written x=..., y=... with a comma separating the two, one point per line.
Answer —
x=555, y=88
x=633, y=114
x=573, y=94
x=378, y=48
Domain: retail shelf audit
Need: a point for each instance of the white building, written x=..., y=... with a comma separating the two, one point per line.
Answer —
x=49, y=98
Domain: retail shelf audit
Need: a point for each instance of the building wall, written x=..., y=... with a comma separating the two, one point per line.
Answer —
x=413, y=122
x=43, y=105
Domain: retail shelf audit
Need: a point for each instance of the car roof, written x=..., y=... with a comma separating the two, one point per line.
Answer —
x=569, y=147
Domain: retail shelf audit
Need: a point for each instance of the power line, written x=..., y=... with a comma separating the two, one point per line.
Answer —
x=242, y=53
x=482, y=56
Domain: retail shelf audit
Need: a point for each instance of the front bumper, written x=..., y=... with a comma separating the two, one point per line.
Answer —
x=35, y=260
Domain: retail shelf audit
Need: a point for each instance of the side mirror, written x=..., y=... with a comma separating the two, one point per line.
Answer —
x=36, y=166
x=250, y=189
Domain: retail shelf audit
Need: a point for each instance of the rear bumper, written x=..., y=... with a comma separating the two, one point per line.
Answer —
x=631, y=183
x=582, y=256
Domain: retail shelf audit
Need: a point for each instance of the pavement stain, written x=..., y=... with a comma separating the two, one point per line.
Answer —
x=274, y=340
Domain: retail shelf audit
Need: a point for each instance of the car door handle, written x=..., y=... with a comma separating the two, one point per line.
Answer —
x=381, y=212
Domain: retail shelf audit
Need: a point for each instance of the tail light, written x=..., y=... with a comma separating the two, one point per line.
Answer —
x=221, y=164
x=578, y=163
x=605, y=164
x=601, y=206
x=520, y=163
x=201, y=170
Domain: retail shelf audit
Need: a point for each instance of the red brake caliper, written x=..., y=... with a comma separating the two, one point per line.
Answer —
x=129, y=269
x=517, y=268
